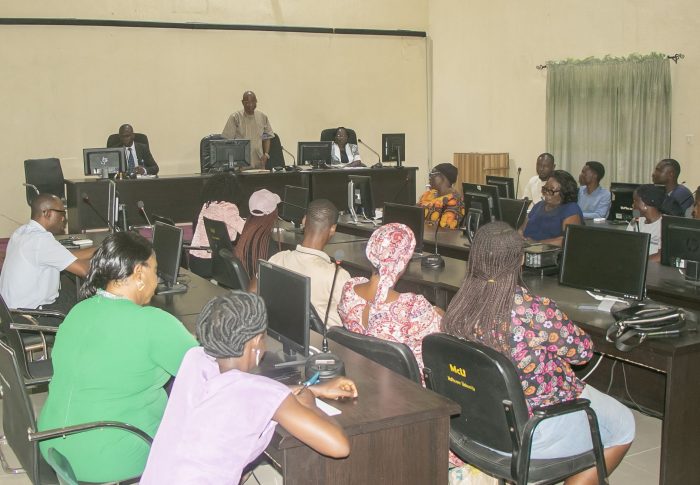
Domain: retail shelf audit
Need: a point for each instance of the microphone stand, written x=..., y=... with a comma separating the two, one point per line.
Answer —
x=379, y=158
x=142, y=208
x=517, y=182
x=327, y=364
x=435, y=261
x=87, y=201
x=294, y=160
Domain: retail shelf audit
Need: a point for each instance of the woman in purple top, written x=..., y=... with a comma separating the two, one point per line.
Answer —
x=220, y=417
x=493, y=308
x=548, y=219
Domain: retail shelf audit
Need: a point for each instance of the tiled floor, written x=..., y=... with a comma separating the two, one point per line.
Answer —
x=640, y=466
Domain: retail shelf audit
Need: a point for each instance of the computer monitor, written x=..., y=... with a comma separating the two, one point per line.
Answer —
x=167, y=244
x=287, y=298
x=360, y=199
x=97, y=160
x=410, y=215
x=294, y=204
x=514, y=211
x=621, y=206
x=680, y=244
x=489, y=190
x=314, y=153
x=477, y=212
x=506, y=185
x=394, y=147
x=604, y=260
x=227, y=155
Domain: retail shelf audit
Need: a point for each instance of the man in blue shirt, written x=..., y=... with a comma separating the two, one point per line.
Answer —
x=593, y=199
x=666, y=173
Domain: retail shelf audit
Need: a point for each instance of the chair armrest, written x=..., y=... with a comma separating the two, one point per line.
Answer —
x=35, y=381
x=37, y=312
x=29, y=327
x=561, y=408
x=196, y=248
x=79, y=428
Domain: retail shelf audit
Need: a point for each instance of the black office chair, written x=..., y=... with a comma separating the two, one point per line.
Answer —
x=228, y=270
x=276, y=153
x=329, y=135
x=114, y=141
x=392, y=355
x=494, y=414
x=204, y=155
x=44, y=175
x=19, y=423
x=20, y=330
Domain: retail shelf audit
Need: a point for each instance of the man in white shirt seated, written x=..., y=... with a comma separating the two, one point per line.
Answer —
x=34, y=260
x=533, y=189
x=309, y=259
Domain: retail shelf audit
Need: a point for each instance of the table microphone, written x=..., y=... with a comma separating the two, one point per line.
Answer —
x=140, y=205
x=517, y=182
x=327, y=364
x=379, y=159
x=436, y=261
x=86, y=200
x=294, y=160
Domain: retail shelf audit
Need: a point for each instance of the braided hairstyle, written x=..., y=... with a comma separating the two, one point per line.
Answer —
x=254, y=241
x=228, y=321
x=481, y=309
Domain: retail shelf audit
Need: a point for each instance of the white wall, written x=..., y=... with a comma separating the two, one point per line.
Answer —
x=488, y=96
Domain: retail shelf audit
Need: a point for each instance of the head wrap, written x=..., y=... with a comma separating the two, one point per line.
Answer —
x=228, y=321
x=389, y=250
x=448, y=170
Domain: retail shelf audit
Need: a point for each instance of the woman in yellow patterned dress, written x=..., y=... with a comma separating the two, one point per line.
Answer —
x=442, y=194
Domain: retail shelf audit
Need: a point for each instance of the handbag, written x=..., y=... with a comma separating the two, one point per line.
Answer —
x=643, y=321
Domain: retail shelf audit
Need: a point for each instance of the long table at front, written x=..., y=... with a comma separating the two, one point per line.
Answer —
x=660, y=375
x=398, y=431
x=178, y=197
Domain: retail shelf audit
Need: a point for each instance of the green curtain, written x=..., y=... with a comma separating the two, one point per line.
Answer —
x=613, y=110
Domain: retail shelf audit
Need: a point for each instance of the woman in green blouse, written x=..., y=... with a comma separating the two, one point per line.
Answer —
x=112, y=356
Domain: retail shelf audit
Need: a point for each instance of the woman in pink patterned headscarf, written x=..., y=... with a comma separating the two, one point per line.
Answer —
x=372, y=307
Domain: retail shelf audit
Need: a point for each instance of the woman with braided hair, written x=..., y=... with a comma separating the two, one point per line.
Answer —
x=492, y=307
x=254, y=241
x=220, y=417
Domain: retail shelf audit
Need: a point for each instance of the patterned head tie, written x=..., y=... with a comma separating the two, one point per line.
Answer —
x=389, y=250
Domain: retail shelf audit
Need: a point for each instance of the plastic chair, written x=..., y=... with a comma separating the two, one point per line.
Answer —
x=329, y=135
x=114, y=140
x=44, y=175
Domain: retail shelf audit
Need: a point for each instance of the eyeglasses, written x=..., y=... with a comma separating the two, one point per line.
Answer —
x=546, y=191
x=62, y=212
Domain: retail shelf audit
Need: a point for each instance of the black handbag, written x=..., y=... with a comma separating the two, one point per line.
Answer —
x=643, y=321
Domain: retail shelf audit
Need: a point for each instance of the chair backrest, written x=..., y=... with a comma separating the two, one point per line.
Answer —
x=12, y=337
x=276, y=153
x=329, y=135
x=17, y=413
x=228, y=271
x=204, y=154
x=392, y=355
x=479, y=379
x=114, y=141
x=46, y=175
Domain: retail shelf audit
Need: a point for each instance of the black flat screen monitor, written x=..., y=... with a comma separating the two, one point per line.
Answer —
x=394, y=147
x=491, y=191
x=607, y=261
x=506, y=185
x=294, y=204
x=167, y=244
x=410, y=215
x=621, y=206
x=314, y=153
x=680, y=240
x=477, y=211
x=95, y=160
x=287, y=298
x=513, y=211
x=360, y=195
x=227, y=155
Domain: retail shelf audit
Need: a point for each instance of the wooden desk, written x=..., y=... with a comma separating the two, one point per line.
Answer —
x=666, y=284
x=398, y=431
x=178, y=197
x=661, y=375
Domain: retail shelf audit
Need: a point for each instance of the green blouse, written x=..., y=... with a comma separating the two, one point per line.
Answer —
x=111, y=359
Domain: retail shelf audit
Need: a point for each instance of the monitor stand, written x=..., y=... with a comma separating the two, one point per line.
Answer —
x=606, y=302
x=170, y=289
x=691, y=272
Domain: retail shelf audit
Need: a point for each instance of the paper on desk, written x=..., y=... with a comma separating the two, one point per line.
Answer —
x=327, y=408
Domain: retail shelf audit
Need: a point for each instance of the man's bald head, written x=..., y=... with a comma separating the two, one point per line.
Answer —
x=250, y=102
x=43, y=203
x=321, y=215
x=126, y=134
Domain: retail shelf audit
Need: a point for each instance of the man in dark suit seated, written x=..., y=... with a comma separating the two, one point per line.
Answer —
x=137, y=155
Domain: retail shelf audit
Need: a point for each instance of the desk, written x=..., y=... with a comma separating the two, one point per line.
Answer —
x=398, y=431
x=660, y=374
x=178, y=197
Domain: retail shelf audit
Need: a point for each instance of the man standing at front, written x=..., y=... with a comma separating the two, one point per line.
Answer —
x=249, y=124
x=533, y=189
x=30, y=275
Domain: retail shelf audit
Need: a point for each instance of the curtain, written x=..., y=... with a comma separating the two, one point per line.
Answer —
x=616, y=111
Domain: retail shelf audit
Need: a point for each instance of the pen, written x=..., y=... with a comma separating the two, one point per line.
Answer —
x=310, y=382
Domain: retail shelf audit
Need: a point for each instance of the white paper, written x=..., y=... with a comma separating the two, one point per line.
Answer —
x=327, y=408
